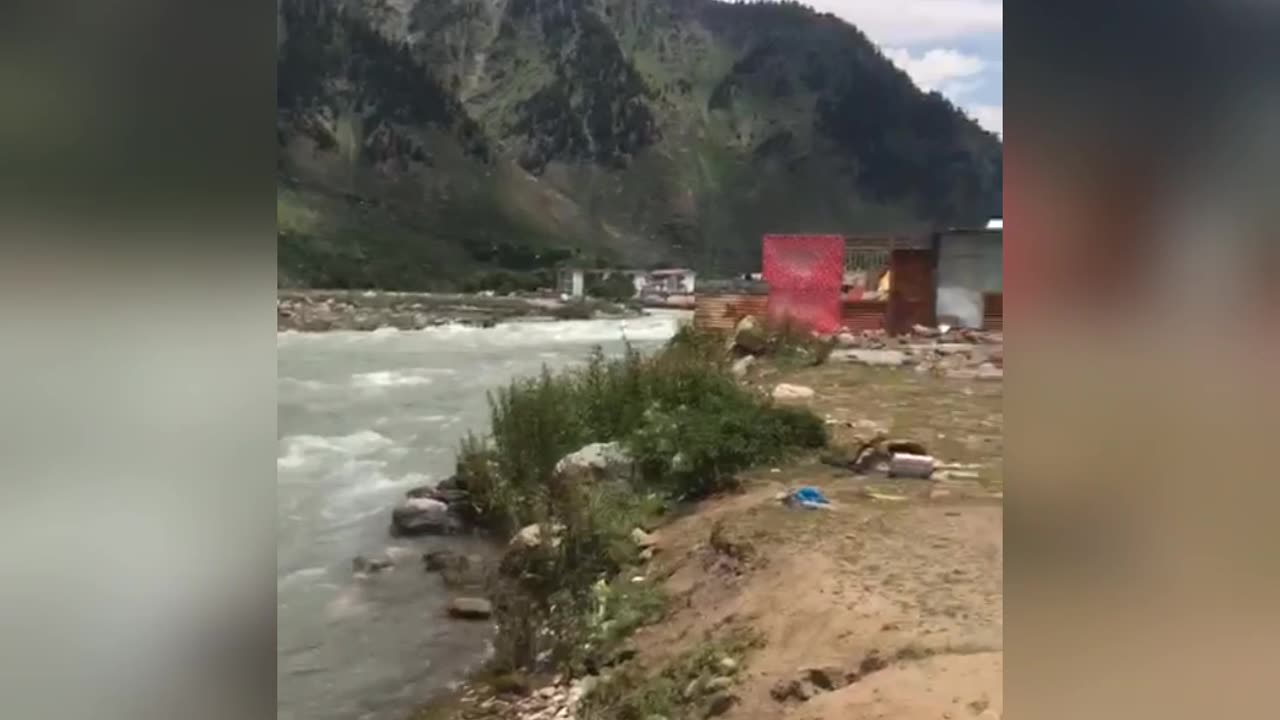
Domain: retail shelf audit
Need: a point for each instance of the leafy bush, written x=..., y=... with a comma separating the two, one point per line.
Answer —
x=689, y=427
x=793, y=345
x=617, y=287
x=635, y=695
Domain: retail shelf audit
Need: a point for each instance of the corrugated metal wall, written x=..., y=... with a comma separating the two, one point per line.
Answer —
x=862, y=315
x=913, y=294
x=993, y=311
x=722, y=311
x=970, y=265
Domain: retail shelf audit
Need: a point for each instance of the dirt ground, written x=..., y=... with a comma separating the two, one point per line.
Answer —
x=899, y=584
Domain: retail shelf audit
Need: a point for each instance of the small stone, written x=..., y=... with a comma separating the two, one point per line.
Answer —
x=363, y=565
x=547, y=693
x=787, y=391
x=786, y=690
x=719, y=684
x=643, y=539
x=468, y=608
x=582, y=688
x=721, y=704
x=691, y=690
x=828, y=678
x=728, y=665
x=646, y=554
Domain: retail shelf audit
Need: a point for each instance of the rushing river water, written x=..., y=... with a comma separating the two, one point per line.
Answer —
x=362, y=418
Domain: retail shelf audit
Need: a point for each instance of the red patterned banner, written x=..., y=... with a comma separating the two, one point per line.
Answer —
x=804, y=273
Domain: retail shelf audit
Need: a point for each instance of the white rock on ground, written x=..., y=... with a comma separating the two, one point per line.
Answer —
x=607, y=460
x=470, y=608
x=786, y=391
x=879, y=358
x=643, y=539
x=531, y=536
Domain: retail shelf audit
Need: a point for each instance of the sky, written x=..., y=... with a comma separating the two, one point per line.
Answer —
x=953, y=46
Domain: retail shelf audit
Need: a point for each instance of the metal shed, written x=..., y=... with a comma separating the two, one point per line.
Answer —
x=970, y=277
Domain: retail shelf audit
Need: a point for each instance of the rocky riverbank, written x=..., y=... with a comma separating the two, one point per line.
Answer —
x=882, y=599
x=324, y=310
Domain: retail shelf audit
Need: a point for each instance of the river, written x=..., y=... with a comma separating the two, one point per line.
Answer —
x=362, y=417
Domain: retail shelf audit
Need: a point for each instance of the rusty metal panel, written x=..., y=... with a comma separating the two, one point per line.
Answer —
x=721, y=312
x=862, y=315
x=911, y=296
x=993, y=311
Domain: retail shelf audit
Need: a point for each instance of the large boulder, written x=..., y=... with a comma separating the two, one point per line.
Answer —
x=597, y=461
x=750, y=336
x=423, y=516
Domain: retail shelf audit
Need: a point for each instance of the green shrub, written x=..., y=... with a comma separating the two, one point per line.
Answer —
x=617, y=287
x=690, y=428
x=633, y=694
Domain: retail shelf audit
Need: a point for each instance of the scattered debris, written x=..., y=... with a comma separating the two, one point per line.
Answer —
x=807, y=497
x=742, y=365
x=908, y=465
x=884, y=497
x=873, y=357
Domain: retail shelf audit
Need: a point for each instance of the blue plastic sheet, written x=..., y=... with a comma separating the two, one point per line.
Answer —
x=809, y=496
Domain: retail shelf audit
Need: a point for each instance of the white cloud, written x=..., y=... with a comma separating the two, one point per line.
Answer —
x=907, y=22
x=990, y=117
x=939, y=69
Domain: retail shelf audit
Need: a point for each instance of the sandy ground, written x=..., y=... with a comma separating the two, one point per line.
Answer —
x=913, y=576
x=898, y=586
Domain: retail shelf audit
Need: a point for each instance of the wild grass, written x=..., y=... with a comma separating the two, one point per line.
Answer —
x=689, y=428
x=676, y=690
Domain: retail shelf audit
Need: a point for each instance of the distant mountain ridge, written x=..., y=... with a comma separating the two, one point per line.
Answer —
x=423, y=140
